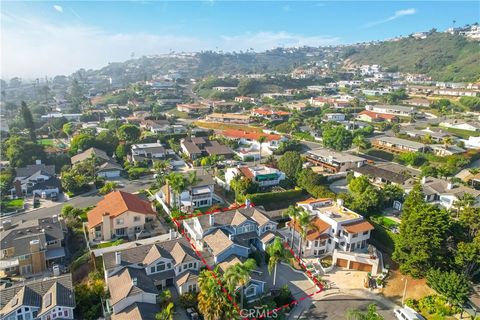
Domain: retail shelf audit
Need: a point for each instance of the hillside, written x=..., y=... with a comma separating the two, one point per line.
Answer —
x=442, y=56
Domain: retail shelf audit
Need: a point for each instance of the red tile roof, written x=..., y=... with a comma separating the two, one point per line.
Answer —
x=317, y=232
x=375, y=115
x=246, y=172
x=116, y=203
x=358, y=227
x=267, y=111
x=238, y=134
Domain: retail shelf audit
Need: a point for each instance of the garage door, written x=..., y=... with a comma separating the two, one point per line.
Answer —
x=342, y=263
x=361, y=266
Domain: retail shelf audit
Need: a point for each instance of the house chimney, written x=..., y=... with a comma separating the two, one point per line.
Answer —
x=34, y=246
x=424, y=179
x=211, y=219
x=38, y=161
x=172, y=234
x=340, y=202
x=134, y=281
x=247, y=203
x=118, y=258
x=6, y=224
x=449, y=185
x=230, y=236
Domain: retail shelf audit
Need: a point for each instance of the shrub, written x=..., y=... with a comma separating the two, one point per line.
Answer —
x=263, y=198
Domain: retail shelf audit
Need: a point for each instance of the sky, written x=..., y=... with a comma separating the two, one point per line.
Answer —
x=40, y=38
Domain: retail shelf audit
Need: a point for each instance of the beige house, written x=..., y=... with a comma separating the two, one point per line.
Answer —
x=120, y=215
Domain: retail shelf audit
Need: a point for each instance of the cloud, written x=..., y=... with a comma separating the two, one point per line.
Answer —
x=396, y=15
x=32, y=47
x=58, y=8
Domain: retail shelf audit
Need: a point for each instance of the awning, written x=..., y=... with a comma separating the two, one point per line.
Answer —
x=55, y=253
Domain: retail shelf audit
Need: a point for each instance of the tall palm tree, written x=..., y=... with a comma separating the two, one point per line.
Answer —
x=276, y=253
x=293, y=212
x=305, y=226
x=210, y=296
x=239, y=275
x=161, y=166
x=261, y=140
x=177, y=183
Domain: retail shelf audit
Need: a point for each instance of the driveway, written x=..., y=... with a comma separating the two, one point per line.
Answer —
x=339, y=186
x=80, y=201
x=336, y=307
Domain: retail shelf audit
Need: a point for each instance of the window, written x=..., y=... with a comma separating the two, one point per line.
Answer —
x=65, y=313
x=120, y=232
x=355, y=235
x=190, y=265
x=160, y=266
x=365, y=233
x=152, y=269
x=250, y=292
x=120, y=221
x=138, y=229
x=192, y=287
x=136, y=219
x=20, y=316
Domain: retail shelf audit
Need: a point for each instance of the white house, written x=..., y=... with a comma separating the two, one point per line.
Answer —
x=334, y=117
x=263, y=176
x=148, y=151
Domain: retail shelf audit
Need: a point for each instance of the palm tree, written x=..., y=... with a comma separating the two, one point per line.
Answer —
x=166, y=313
x=177, y=183
x=261, y=140
x=293, y=212
x=210, y=296
x=276, y=253
x=447, y=141
x=239, y=275
x=161, y=166
x=360, y=142
x=427, y=139
x=304, y=225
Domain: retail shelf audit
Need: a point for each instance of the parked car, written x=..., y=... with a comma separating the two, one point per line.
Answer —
x=407, y=313
x=192, y=314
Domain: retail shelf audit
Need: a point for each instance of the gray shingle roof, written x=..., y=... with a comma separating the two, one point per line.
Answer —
x=36, y=293
x=88, y=153
x=34, y=168
x=129, y=282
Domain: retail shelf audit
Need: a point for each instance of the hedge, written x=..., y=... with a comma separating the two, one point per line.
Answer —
x=263, y=198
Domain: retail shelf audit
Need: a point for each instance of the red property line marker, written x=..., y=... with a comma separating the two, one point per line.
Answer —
x=216, y=277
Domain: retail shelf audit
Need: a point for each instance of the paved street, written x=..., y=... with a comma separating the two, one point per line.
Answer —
x=80, y=201
x=336, y=307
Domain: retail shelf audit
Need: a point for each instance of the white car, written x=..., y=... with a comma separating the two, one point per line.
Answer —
x=407, y=313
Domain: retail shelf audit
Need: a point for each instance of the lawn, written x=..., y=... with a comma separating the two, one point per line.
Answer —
x=386, y=222
x=110, y=244
x=380, y=154
x=179, y=114
x=12, y=205
x=464, y=134
x=227, y=126
x=382, y=238
x=46, y=142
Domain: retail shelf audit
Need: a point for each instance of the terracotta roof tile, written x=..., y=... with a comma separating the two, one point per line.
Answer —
x=116, y=203
x=358, y=227
x=232, y=133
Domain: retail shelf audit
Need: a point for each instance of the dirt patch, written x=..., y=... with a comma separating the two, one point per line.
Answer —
x=416, y=288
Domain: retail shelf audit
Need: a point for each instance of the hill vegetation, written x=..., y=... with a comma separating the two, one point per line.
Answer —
x=442, y=56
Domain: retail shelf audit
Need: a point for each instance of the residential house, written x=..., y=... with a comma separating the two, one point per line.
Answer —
x=397, y=145
x=105, y=167
x=418, y=102
x=264, y=177
x=193, y=108
x=446, y=150
x=136, y=275
x=242, y=99
x=148, y=152
x=197, y=147
x=225, y=89
x=433, y=135
x=334, y=117
x=31, y=247
x=455, y=92
x=199, y=195
x=229, y=118
x=461, y=125
x=270, y=114
x=401, y=111
x=335, y=230
x=442, y=192
x=334, y=161
x=36, y=179
x=272, y=141
x=39, y=299
x=122, y=215
x=231, y=233
x=370, y=116
x=381, y=174
x=162, y=127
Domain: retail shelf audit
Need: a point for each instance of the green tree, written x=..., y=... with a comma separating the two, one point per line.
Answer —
x=371, y=314
x=73, y=182
x=108, y=187
x=121, y=151
x=276, y=253
x=82, y=142
x=336, y=137
x=422, y=241
x=20, y=151
x=129, y=133
x=238, y=275
x=212, y=301
x=291, y=164
x=467, y=257
x=28, y=121
x=241, y=186
x=68, y=128
x=453, y=286
x=360, y=142
x=107, y=141
x=166, y=313
x=293, y=212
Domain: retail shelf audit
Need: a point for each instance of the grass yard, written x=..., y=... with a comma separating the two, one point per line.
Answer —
x=380, y=154
x=226, y=126
x=464, y=134
x=110, y=244
x=46, y=142
x=385, y=221
x=179, y=114
x=12, y=205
